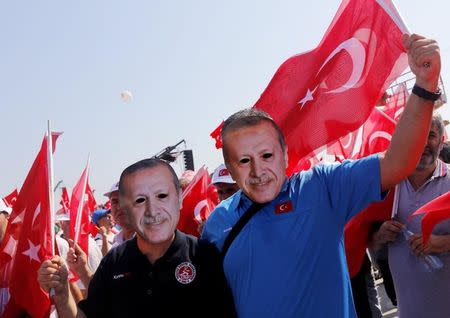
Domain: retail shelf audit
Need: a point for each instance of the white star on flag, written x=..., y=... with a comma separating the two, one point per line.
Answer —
x=19, y=218
x=308, y=97
x=32, y=252
x=10, y=247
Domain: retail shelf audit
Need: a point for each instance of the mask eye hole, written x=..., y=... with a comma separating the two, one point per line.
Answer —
x=140, y=200
x=162, y=195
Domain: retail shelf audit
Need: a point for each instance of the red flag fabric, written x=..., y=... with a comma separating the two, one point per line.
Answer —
x=358, y=228
x=11, y=198
x=92, y=204
x=107, y=205
x=75, y=200
x=216, y=135
x=347, y=147
x=380, y=126
x=28, y=241
x=435, y=212
x=197, y=204
x=65, y=202
x=319, y=96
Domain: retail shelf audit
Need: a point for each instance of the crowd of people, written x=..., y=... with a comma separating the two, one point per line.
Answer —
x=275, y=246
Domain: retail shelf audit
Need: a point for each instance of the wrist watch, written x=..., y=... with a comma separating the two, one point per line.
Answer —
x=423, y=93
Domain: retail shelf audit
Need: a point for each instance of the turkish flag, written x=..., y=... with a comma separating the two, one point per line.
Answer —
x=65, y=202
x=92, y=204
x=347, y=147
x=319, y=96
x=435, y=212
x=28, y=241
x=197, y=204
x=375, y=134
x=83, y=226
x=215, y=134
x=11, y=198
x=380, y=126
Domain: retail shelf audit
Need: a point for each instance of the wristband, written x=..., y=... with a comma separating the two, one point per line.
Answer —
x=423, y=93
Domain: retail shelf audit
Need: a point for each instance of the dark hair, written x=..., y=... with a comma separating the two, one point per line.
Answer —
x=147, y=164
x=437, y=121
x=250, y=117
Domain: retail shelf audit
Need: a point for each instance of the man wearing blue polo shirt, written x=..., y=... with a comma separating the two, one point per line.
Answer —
x=289, y=259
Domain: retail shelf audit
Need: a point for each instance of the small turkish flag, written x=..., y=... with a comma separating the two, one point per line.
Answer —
x=11, y=198
x=434, y=212
x=216, y=135
x=283, y=207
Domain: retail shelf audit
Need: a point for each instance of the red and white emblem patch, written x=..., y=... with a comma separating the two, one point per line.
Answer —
x=185, y=273
x=223, y=172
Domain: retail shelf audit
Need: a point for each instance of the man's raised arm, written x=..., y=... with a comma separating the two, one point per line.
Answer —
x=411, y=133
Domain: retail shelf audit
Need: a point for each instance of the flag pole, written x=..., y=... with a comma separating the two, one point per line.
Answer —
x=51, y=196
x=81, y=203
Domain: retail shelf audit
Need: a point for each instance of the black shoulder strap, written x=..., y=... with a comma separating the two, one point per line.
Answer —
x=255, y=207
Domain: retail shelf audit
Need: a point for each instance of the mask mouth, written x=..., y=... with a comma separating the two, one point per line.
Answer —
x=263, y=180
x=152, y=220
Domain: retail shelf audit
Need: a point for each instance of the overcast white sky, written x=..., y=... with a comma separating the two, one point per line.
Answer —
x=189, y=64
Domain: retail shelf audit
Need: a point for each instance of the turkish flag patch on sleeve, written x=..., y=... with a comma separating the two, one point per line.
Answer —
x=283, y=207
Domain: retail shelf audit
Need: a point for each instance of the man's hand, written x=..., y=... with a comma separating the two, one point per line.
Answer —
x=103, y=231
x=436, y=244
x=388, y=232
x=78, y=262
x=424, y=60
x=53, y=273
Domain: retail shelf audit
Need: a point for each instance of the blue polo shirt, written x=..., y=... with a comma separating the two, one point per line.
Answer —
x=289, y=260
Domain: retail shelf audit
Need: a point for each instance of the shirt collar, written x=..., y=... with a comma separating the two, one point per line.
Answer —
x=440, y=170
x=245, y=202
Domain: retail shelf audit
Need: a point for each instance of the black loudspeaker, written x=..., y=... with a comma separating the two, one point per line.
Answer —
x=188, y=160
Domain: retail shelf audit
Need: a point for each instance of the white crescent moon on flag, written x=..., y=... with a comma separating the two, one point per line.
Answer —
x=380, y=134
x=283, y=207
x=198, y=208
x=349, y=141
x=357, y=53
x=364, y=35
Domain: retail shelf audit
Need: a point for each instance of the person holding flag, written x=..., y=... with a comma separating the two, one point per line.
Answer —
x=161, y=271
x=419, y=292
x=282, y=238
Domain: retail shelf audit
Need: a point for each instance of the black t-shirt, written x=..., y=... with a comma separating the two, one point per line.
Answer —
x=188, y=280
